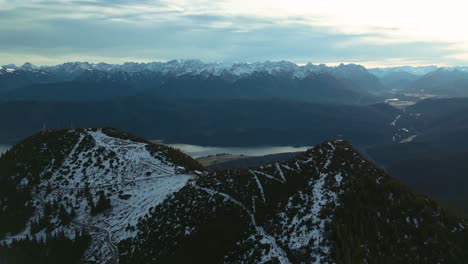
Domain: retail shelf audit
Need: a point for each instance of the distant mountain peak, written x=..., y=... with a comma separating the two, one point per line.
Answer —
x=28, y=66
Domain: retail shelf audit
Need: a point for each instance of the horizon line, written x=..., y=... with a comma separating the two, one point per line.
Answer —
x=375, y=65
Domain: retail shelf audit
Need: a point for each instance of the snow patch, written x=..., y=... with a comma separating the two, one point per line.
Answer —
x=125, y=171
x=393, y=123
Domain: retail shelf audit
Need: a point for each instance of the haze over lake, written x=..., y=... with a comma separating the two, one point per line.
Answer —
x=197, y=151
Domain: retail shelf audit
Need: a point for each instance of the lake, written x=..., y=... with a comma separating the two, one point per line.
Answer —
x=197, y=151
x=4, y=148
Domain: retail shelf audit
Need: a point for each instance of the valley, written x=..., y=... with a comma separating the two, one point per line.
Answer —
x=219, y=158
x=297, y=160
x=198, y=151
x=234, y=132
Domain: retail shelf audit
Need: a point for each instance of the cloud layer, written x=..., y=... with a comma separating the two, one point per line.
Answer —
x=392, y=33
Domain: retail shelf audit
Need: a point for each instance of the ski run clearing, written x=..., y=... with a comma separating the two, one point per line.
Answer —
x=143, y=182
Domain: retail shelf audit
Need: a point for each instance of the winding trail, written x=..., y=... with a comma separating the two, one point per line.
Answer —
x=108, y=239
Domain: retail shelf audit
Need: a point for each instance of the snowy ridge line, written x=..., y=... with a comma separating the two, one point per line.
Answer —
x=260, y=187
x=280, y=254
x=254, y=172
x=313, y=202
x=306, y=162
x=288, y=168
x=318, y=231
x=393, y=123
x=192, y=68
x=298, y=166
x=309, y=160
x=254, y=209
x=137, y=181
x=280, y=171
x=124, y=145
x=330, y=155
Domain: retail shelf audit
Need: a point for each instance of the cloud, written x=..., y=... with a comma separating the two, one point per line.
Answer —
x=53, y=31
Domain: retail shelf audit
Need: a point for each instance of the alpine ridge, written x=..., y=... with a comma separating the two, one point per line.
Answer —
x=140, y=202
x=99, y=181
x=328, y=205
x=189, y=67
x=154, y=74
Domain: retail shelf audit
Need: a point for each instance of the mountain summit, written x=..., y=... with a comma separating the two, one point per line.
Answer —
x=139, y=202
x=327, y=205
x=99, y=181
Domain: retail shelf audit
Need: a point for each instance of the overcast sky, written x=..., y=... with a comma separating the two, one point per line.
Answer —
x=369, y=32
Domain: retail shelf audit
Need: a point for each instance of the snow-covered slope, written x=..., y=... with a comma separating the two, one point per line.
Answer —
x=130, y=174
x=146, y=203
x=315, y=208
x=279, y=205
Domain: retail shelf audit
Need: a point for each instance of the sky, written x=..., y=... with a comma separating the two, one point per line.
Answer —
x=374, y=33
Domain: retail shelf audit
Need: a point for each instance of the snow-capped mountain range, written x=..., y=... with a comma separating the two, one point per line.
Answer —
x=365, y=83
x=192, y=67
x=197, y=67
x=191, y=78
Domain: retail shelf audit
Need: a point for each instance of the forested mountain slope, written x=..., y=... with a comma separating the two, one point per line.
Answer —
x=125, y=200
